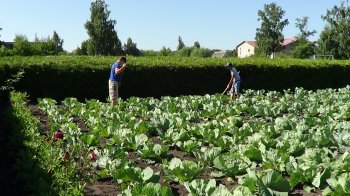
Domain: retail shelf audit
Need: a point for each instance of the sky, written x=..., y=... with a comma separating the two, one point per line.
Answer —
x=152, y=24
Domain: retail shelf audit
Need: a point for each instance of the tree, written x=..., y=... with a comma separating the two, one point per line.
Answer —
x=58, y=42
x=103, y=38
x=184, y=52
x=200, y=52
x=21, y=46
x=327, y=43
x=180, y=44
x=165, y=51
x=269, y=36
x=335, y=38
x=301, y=24
x=196, y=45
x=304, y=48
x=130, y=48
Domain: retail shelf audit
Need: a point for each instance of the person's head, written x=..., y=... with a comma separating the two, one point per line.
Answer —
x=122, y=59
x=228, y=65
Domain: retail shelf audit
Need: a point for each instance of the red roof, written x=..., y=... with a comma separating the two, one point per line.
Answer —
x=252, y=43
x=288, y=41
x=284, y=43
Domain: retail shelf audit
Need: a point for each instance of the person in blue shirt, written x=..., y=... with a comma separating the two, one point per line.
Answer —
x=234, y=83
x=114, y=78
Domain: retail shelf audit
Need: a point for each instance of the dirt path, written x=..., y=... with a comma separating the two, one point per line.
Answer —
x=8, y=185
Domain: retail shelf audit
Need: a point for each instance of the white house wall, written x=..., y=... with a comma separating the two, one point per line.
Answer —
x=245, y=50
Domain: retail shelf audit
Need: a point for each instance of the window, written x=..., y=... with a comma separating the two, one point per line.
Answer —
x=248, y=50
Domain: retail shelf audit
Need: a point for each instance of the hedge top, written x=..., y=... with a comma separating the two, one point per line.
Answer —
x=103, y=62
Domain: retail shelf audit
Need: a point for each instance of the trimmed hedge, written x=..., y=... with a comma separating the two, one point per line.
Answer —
x=87, y=77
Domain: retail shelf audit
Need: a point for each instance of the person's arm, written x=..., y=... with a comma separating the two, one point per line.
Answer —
x=120, y=69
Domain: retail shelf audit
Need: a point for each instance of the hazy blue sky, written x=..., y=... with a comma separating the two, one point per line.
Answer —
x=152, y=24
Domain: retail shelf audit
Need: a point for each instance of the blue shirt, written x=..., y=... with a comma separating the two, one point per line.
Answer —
x=113, y=76
x=235, y=74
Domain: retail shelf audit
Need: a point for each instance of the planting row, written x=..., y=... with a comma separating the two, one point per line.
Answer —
x=262, y=143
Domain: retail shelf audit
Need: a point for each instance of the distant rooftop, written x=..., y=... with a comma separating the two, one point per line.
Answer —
x=285, y=42
x=219, y=54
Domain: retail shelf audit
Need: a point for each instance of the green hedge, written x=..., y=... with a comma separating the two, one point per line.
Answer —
x=86, y=77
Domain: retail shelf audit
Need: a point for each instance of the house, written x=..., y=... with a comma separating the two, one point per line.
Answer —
x=247, y=48
x=8, y=45
x=220, y=54
x=287, y=45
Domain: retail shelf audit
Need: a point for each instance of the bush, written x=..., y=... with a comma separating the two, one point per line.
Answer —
x=200, y=52
x=184, y=52
x=83, y=77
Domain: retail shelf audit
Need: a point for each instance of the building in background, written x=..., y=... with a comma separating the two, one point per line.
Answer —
x=247, y=48
x=220, y=54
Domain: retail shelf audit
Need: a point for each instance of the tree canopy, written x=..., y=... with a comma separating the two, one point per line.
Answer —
x=180, y=44
x=103, y=38
x=130, y=48
x=269, y=36
x=335, y=37
x=304, y=48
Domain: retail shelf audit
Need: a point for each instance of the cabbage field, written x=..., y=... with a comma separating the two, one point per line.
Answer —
x=263, y=143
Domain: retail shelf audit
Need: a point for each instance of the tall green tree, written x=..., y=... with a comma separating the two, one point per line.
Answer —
x=269, y=36
x=180, y=44
x=130, y=48
x=335, y=38
x=58, y=42
x=304, y=47
x=103, y=38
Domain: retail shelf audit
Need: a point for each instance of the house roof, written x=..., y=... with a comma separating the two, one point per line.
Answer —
x=6, y=44
x=284, y=43
x=288, y=41
x=252, y=43
x=219, y=54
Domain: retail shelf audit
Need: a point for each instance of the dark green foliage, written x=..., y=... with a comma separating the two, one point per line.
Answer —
x=130, y=48
x=181, y=44
x=58, y=42
x=86, y=77
x=196, y=45
x=304, y=49
x=269, y=36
